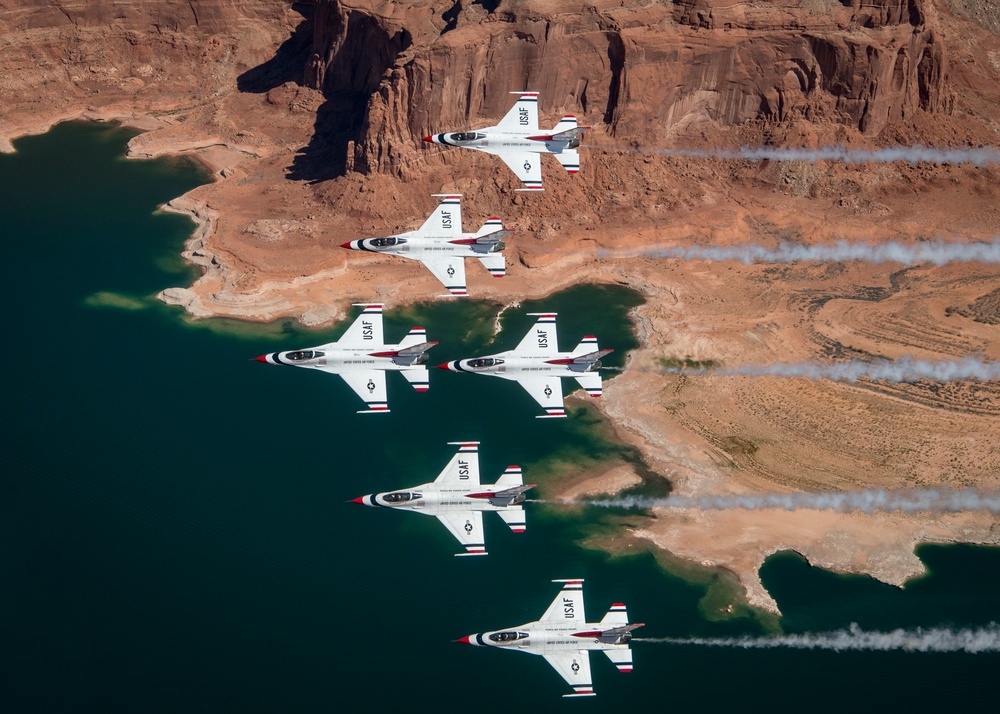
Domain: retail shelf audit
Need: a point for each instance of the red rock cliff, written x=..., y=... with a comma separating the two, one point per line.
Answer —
x=645, y=72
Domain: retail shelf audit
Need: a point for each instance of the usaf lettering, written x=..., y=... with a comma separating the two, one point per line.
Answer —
x=445, y=220
x=523, y=116
x=366, y=331
x=543, y=339
x=568, y=610
x=463, y=470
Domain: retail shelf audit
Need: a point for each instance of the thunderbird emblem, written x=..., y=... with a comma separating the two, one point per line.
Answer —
x=371, y=385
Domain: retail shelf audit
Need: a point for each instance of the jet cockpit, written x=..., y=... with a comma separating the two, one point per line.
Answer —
x=388, y=242
x=481, y=362
x=466, y=136
x=508, y=636
x=301, y=355
x=401, y=496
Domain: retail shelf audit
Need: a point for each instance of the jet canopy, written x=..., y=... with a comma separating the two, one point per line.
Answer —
x=467, y=136
x=386, y=242
x=300, y=355
x=508, y=636
x=401, y=496
x=480, y=362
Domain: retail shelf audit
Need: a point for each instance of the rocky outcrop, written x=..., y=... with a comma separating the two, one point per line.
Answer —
x=645, y=72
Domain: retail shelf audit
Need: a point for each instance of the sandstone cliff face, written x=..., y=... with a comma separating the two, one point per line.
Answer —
x=641, y=72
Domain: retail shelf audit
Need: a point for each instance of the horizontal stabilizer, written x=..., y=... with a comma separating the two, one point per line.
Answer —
x=418, y=378
x=510, y=477
x=414, y=337
x=621, y=658
x=496, y=263
x=515, y=518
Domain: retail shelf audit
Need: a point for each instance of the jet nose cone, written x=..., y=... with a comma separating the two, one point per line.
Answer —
x=346, y=245
x=429, y=138
x=464, y=640
x=359, y=500
x=445, y=366
x=262, y=358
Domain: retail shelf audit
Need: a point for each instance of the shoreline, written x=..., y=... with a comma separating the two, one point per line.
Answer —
x=687, y=457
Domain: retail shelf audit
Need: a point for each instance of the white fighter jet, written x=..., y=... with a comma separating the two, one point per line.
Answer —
x=538, y=366
x=564, y=638
x=458, y=499
x=361, y=358
x=517, y=140
x=442, y=247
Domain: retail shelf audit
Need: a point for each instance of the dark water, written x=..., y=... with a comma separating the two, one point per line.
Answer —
x=174, y=537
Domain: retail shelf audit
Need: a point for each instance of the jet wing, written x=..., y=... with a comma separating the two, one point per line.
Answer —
x=566, y=611
x=366, y=330
x=369, y=384
x=446, y=218
x=523, y=116
x=547, y=391
x=463, y=469
x=541, y=339
x=467, y=526
x=450, y=271
x=526, y=165
x=574, y=666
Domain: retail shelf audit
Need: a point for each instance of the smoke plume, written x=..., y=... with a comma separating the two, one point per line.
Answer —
x=905, y=369
x=866, y=501
x=910, y=154
x=935, y=252
x=971, y=641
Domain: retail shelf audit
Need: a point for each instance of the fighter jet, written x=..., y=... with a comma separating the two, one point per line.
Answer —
x=361, y=358
x=564, y=638
x=442, y=247
x=517, y=140
x=458, y=499
x=538, y=365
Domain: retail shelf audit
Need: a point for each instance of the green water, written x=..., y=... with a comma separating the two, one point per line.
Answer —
x=174, y=534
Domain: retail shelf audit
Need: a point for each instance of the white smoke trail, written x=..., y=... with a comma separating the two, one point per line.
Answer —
x=971, y=641
x=935, y=252
x=865, y=501
x=910, y=154
x=905, y=369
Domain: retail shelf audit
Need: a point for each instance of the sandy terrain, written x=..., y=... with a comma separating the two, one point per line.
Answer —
x=271, y=223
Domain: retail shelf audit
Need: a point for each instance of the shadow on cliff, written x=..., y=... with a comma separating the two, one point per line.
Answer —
x=288, y=63
x=350, y=56
x=338, y=122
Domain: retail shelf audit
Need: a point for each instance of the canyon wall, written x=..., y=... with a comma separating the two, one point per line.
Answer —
x=646, y=72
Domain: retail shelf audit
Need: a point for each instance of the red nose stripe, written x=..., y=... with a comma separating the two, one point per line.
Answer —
x=464, y=640
x=427, y=138
x=359, y=499
x=262, y=358
x=443, y=365
x=346, y=245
